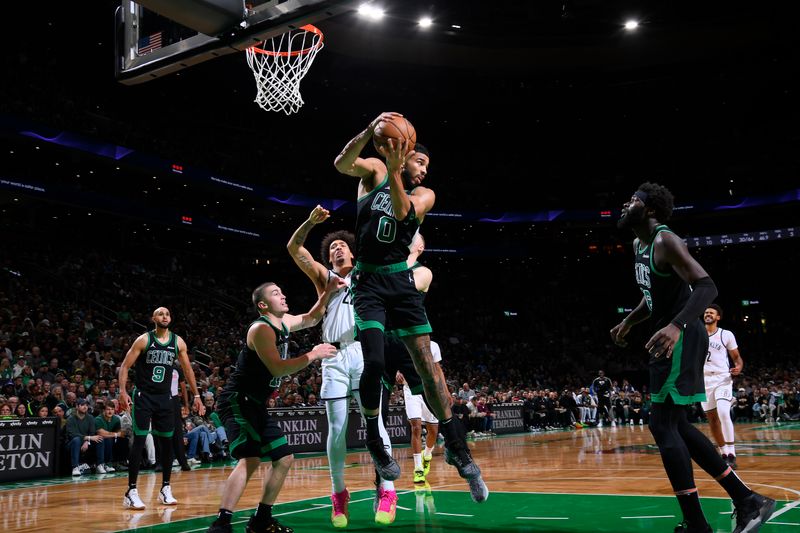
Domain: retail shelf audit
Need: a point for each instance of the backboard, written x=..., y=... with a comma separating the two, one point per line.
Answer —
x=150, y=44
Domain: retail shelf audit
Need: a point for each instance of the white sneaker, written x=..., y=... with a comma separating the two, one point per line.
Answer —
x=165, y=496
x=613, y=424
x=110, y=469
x=131, y=500
x=193, y=461
x=101, y=469
x=76, y=471
x=631, y=421
x=84, y=467
x=641, y=422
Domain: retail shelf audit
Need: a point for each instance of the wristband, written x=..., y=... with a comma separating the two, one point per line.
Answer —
x=196, y=395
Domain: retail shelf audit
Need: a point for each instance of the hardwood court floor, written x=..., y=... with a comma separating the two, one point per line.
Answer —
x=608, y=479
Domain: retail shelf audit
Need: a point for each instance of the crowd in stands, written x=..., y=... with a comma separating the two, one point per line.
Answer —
x=68, y=321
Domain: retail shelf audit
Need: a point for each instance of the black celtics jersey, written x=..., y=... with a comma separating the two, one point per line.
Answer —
x=665, y=292
x=251, y=376
x=381, y=238
x=154, y=366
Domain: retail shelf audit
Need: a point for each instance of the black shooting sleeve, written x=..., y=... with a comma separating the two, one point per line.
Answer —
x=703, y=293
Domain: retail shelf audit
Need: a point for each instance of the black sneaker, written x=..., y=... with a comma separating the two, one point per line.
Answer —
x=270, y=526
x=386, y=466
x=684, y=527
x=220, y=528
x=731, y=460
x=751, y=514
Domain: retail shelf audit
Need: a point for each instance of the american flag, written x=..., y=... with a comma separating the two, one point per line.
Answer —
x=149, y=43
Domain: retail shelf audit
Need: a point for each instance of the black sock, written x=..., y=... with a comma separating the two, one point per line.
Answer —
x=131, y=486
x=449, y=431
x=263, y=513
x=734, y=486
x=692, y=512
x=164, y=483
x=223, y=517
x=372, y=427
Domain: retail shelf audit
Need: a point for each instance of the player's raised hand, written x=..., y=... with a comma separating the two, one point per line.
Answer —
x=619, y=332
x=386, y=115
x=322, y=351
x=395, y=153
x=334, y=284
x=319, y=214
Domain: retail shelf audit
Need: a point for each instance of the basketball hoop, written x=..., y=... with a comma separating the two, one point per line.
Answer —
x=280, y=64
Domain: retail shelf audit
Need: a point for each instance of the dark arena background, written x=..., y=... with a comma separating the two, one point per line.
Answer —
x=542, y=118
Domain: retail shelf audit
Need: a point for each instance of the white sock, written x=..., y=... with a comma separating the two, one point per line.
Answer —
x=428, y=452
x=417, y=461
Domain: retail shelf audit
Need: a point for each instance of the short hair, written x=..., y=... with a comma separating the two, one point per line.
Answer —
x=422, y=149
x=660, y=199
x=258, y=293
x=716, y=308
x=325, y=247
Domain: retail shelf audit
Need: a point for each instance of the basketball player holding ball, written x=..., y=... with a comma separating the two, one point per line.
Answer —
x=392, y=203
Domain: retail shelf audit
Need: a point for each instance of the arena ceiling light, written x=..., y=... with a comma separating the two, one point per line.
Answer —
x=370, y=11
x=631, y=24
x=425, y=22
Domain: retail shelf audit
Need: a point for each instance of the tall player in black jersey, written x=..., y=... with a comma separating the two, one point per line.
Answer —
x=153, y=356
x=392, y=204
x=675, y=292
x=253, y=434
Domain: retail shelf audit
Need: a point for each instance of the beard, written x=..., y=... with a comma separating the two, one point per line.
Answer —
x=632, y=218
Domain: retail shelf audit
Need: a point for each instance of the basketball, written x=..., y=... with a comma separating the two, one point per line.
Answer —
x=397, y=128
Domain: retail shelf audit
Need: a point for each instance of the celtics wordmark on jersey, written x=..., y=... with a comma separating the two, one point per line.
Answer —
x=154, y=366
x=382, y=238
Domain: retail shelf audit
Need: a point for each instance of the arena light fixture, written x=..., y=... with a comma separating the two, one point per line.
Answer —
x=370, y=11
x=631, y=24
x=425, y=22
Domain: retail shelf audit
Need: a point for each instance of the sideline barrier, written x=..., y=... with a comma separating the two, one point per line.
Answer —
x=28, y=448
x=306, y=428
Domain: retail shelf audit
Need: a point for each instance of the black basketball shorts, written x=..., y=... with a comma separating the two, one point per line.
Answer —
x=251, y=431
x=150, y=408
x=387, y=293
x=681, y=376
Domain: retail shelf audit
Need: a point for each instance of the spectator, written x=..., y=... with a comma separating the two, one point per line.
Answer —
x=743, y=409
x=637, y=411
x=109, y=427
x=21, y=411
x=485, y=412
x=43, y=412
x=466, y=393
x=6, y=372
x=80, y=436
x=59, y=411
x=5, y=411
x=621, y=408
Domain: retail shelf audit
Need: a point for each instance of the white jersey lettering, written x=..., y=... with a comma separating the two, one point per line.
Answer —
x=720, y=343
x=339, y=324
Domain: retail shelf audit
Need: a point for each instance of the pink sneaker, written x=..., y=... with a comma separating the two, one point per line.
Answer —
x=387, y=507
x=340, y=513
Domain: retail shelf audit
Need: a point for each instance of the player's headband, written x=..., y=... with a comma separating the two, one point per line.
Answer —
x=641, y=195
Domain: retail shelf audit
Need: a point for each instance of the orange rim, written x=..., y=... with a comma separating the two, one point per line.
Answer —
x=309, y=28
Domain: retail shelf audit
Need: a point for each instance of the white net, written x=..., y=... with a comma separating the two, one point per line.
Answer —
x=280, y=64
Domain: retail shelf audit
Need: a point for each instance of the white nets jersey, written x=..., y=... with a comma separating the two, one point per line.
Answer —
x=719, y=344
x=339, y=323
